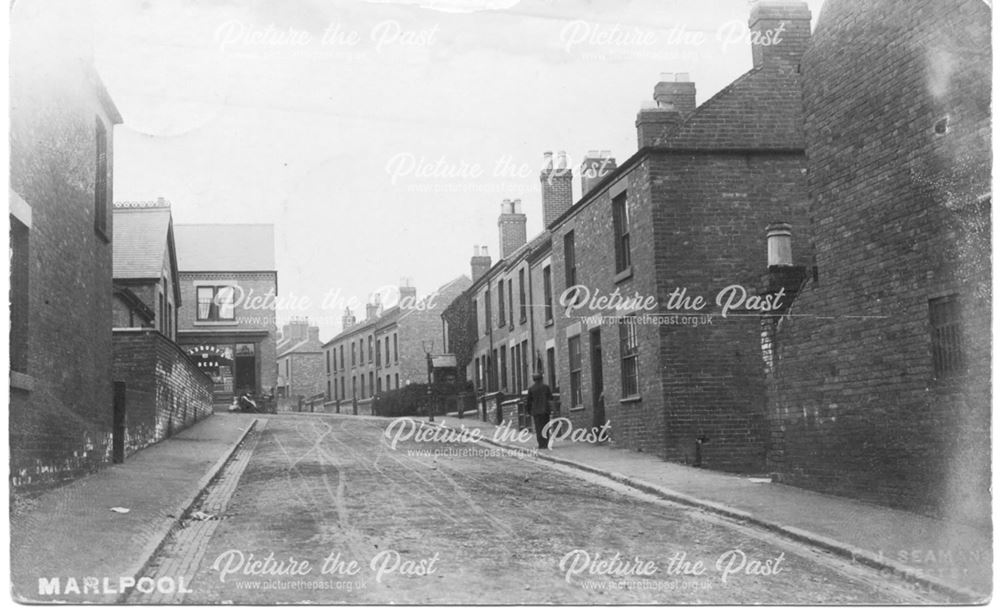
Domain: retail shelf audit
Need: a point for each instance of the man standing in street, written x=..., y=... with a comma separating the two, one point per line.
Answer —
x=539, y=396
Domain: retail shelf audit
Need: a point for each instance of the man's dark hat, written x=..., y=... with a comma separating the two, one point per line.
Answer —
x=537, y=376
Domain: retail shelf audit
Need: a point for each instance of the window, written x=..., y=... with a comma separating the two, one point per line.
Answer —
x=354, y=387
x=371, y=344
x=520, y=290
x=378, y=384
x=387, y=349
x=354, y=354
x=503, y=367
x=216, y=303
x=395, y=348
x=18, y=255
x=378, y=353
x=328, y=362
x=575, y=373
x=510, y=302
x=328, y=393
x=477, y=375
x=387, y=381
x=371, y=382
x=547, y=289
x=475, y=311
x=489, y=312
x=492, y=371
x=569, y=255
x=947, y=347
x=102, y=186
x=550, y=361
x=515, y=366
x=396, y=380
x=362, y=386
x=361, y=352
x=524, y=365
x=623, y=250
x=629, y=337
x=501, y=312
x=342, y=394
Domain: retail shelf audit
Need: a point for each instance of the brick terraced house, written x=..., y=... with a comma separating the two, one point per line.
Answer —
x=61, y=228
x=229, y=289
x=683, y=217
x=882, y=390
x=301, y=372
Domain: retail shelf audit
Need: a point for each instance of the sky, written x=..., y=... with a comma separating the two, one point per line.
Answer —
x=380, y=137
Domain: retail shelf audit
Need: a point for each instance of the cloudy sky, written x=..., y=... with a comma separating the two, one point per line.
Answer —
x=380, y=137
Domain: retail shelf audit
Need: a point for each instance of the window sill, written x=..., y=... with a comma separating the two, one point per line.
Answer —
x=576, y=408
x=222, y=323
x=21, y=381
x=632, y=399
x=623, y=275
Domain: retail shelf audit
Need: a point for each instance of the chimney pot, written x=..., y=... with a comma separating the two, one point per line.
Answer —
x=779, y=244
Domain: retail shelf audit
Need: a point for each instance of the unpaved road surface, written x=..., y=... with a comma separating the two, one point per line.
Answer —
x=326, y=512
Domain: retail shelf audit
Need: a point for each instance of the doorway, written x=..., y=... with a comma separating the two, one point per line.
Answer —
x=597, y=375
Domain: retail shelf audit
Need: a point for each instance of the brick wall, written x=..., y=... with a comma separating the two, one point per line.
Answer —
x=165, y=391
x=60, y=406
x=856, y=406
x=710, y=234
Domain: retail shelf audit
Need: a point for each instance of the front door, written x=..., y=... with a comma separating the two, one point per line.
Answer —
x=245, y=369
x=597, y=375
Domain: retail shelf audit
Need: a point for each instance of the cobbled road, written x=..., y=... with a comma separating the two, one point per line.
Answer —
x=321, y=509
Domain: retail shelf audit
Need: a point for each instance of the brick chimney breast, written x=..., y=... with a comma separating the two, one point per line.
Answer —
x=481, y=262
x=779, y=32
x=557, y=186
x=513, y=226
x=596, y=165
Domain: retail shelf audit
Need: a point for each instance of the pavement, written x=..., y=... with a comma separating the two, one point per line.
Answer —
x=72, y=532
x=950, y=558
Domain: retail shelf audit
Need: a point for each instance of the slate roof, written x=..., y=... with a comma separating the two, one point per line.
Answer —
x=140, y=242
x=225, y=247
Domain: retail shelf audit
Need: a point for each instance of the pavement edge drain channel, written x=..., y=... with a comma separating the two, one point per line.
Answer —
x=176, y=555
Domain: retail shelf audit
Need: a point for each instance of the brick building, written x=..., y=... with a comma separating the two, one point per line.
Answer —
x=683, y=217
x=61, y=229
x=147, y=289
x=229, y=289
x=159, y=389
x=301, y=372
x=388, y=349
x=883, y=391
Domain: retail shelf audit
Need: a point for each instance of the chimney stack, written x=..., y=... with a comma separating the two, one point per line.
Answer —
x=673, y=101
x=596, y=165
x=675, y=92
x=314, y=333
x=481, y=262
x=296, y=329
x=779, y=244
x=348, y=320
x=407, y=291
x=557, y=186
x=779, y=32
x=513, y=227
x=373, y=309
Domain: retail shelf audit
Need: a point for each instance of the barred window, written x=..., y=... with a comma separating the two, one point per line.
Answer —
x=946, y=337
x=575, y=372
x=629, y=336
